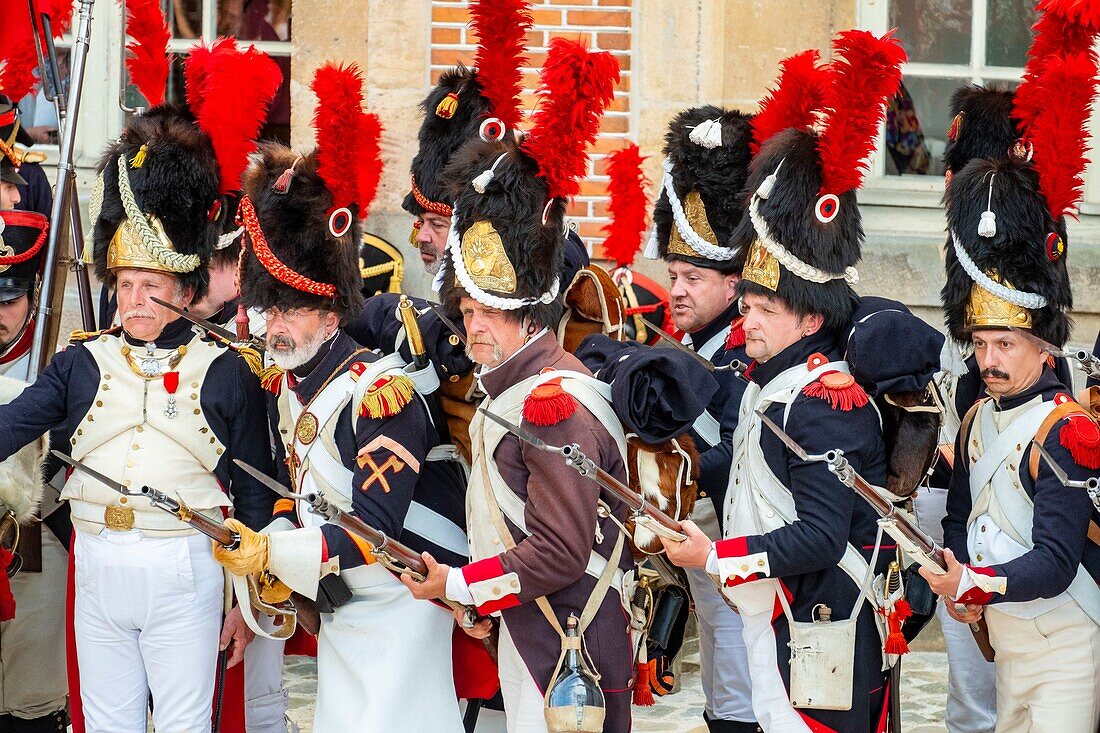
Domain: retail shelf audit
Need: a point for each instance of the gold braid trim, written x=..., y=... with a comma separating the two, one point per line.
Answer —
x=387, y=396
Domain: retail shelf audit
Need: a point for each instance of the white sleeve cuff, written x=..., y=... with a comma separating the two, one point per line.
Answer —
x=987, y=583
x=743, y=567
x=712, y=561
x=457, y=590
x=294, y=557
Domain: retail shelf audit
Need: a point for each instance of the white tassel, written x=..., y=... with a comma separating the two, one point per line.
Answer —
x=486, y=177
x=765, y=188
x=707, y=134
x=987, y=227
x=652, y=251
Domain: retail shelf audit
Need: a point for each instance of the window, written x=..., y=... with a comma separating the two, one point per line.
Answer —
x=949, y=43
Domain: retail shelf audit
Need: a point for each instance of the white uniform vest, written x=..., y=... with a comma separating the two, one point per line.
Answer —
x=127, y=436
x=1000, y=521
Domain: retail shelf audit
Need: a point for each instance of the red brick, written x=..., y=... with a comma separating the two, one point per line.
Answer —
x=620, y=103
x=593, y=188
x=606, y=145
x=577, y=209
x=626, y=3
x=547, y=16
x=613, y=41
x=446, y=35
x=591, y=229
x=597, y=18
x=450, y=57
x=624, y=80
x=459, y=14
x=615, y=124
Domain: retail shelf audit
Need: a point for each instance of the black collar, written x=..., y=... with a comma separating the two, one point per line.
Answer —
x=822, y=342
x=704, y=334
x=1046, y=385
x=176, y=333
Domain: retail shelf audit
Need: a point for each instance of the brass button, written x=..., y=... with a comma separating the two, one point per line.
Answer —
x=983, y=527
x=759, y=563
x=218, y=451
x=136, y=446
x=99, y=403
x=126, y=482
x=194, y=396
x=204, y=430
x=703, y=494
x=454, y=377
x=194, y=385
x=129, y=464
x=140, y=429
x=453, y=340
x=744, y=568
x=79, y=431
x=211, y=440
x=496, y=590
x=197, y=411
x=122, y=499
x=980, y=558
x=106, y=376
x=72, y=440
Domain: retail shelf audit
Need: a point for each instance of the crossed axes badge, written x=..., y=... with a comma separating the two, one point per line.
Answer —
x=396, y=462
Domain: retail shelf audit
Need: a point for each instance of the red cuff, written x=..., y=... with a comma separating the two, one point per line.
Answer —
x=485, y=570
x=976, y=596
x=733, y=547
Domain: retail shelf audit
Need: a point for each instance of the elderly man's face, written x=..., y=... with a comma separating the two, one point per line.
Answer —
x=431, y=240
x=140, y=316
x=295, y=335
x=493, y=335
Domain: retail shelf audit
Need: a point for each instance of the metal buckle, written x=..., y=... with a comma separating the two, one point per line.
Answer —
x=118, y=518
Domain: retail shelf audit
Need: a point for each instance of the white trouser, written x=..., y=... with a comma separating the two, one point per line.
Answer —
x=523, y=703
x=265, y=698
x=723, y=660
x=148, y=617
x=384, y=661
x=32, y=645
x=971, y=689
x=1048, y=671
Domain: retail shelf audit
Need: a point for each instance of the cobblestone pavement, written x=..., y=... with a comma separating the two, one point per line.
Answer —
x=923, y=694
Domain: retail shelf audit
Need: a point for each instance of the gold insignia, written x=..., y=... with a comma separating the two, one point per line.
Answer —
x=761, y=267
x=118, y=518
x=696, y=214
x=5, y=251
x=305, y=430
x=127, y=250
x=486, y=260
x=986, y=310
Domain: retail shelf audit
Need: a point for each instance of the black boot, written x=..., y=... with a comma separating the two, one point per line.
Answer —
x=55, y=722
x=730, y=726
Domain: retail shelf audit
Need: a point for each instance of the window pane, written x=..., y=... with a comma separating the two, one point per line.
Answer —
x=916, y=125
x=933, y=31
x=184, y=17
x=254, y=20
x=1008, y=31
x=37, y=113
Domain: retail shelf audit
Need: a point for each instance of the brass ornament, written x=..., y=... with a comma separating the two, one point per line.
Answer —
x=118, y=518
x=305, y=430
x=486, y=260
x=127, y=251
x=761, y=266
x=986, y=310
x=696, y=214
x=5, y=251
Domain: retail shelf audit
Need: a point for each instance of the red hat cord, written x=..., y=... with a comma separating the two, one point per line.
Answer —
x=24, y=219
x=273, y=264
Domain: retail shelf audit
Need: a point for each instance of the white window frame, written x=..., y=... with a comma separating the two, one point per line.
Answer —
x=926, y=191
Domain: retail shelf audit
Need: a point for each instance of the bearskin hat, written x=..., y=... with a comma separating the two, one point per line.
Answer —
x=22, y=252
x=301, y=214
x=466, y=98
x=705, y=168
x=981, y=126
x=1005, y=256
x=801, y=236
x=508, y=231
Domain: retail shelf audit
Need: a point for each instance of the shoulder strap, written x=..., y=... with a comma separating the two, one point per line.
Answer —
x=1059, y=413
x=967, y=421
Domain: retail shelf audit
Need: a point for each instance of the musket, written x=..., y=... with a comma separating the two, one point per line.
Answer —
x=52, y=293
x=53, y=86
x=736, y=366
x=212, y=528
x=449, y=323
x=643, y=513
x=220, y=331
x=896, y=522
x=1090, y=485
x=390, y=553
x=1082, y=359
x=407, y=314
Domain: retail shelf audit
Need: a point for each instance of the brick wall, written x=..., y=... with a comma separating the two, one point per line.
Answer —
x=605, y=25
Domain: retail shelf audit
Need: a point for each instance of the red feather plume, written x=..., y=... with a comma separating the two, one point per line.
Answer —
x=1066, y=86
x=865, y=73
x=18, y=60
x=628, y=205
x=149, y=34
x=1056, y=33
x=798, y=94
x=348, y=153
x=234, y=90
x=576, y=87
x=1083, y=13
x=501, y=27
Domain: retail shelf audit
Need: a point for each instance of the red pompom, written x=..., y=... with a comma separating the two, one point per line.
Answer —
x=736, y=339
x=7, y=600
x=576, y=86
x=1081, y=437
x=840, y=390
x=501, y=27
x=865, y=73
x=797, y=95
x=149, y=34
x=643, y=694
x=628, y=205
x=548, y=404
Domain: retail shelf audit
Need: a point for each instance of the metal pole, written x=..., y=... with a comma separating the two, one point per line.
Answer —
x=40, y=355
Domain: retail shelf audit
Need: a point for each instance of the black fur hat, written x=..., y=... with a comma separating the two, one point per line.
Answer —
x=1026, y=251
x=293, y=228
x=789, y=213
x=172, y=172
x=981, y=126
x=531, y=257
x=453, y=113
x=708, y=150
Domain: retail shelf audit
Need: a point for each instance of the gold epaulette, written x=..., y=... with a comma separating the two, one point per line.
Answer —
x=77, y=337
x=386, y=396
